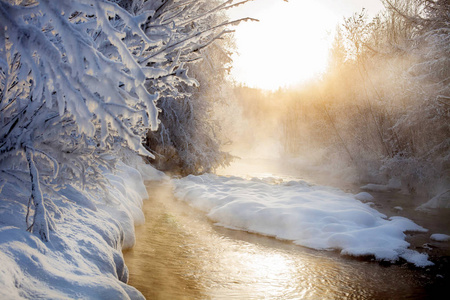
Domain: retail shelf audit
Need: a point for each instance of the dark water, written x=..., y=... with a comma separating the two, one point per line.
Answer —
x=179, y=254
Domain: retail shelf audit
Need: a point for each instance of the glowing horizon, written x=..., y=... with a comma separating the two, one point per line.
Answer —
x=290, y=44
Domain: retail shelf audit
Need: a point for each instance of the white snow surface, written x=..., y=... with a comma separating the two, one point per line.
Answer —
x=83, y=259
x=364, y=196
x=441, y=200
x=317, y=217
x=440, y=237
x=393, y=185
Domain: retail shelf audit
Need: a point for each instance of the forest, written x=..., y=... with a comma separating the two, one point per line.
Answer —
x=98, y=96
x=381, y=110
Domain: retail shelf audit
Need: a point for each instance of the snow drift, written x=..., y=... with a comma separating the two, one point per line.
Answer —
x=317, y=217
x=83, y=258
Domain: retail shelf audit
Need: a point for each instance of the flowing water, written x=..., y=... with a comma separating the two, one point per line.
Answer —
x=180, y=254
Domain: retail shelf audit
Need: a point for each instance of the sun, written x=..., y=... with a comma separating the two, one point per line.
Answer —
x=289, y=44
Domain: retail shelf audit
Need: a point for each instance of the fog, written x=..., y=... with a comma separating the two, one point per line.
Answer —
x=378, y=114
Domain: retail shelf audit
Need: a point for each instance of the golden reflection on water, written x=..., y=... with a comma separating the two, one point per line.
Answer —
x=179, y=254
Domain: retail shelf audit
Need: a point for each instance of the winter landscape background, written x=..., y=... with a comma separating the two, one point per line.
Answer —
x=99, y=96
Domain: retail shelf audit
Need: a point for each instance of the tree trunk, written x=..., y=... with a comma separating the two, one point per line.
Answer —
x=40, y=223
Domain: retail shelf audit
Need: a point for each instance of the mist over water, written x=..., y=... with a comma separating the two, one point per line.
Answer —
x=181, y=254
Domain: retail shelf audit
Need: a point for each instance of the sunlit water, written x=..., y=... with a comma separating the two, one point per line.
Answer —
x=180, y=254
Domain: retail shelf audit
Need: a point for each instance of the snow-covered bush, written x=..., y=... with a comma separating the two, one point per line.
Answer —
x=424, y=124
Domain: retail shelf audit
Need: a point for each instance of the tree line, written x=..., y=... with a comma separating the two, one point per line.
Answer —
x=382, y=106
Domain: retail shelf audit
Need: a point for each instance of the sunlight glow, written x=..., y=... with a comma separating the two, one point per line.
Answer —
x=289, y=45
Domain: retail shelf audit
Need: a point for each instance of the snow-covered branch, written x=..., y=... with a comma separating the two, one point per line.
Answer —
x=78, y=78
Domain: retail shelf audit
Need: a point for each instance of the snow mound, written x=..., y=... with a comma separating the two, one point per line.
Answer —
x=441, y=200
x=312, y=216
x=393, y=185
x=83, y=258
x=364, y=196
x=440, y=237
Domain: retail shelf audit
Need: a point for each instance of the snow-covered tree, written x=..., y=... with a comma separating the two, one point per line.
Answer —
x=433, y=45
x=190, y=136
x=191, y=132
x=383, y=105
x=78, y=78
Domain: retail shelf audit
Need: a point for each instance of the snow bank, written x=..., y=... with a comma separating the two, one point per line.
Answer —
x=312, y=216
x=83, y=258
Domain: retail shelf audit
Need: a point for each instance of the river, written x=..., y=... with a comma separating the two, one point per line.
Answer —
x=180, y=254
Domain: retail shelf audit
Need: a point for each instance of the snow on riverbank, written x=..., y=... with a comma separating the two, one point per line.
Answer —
x=83, y=259
x=312, y=216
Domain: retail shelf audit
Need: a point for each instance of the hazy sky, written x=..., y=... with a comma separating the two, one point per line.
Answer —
x=290, y=43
